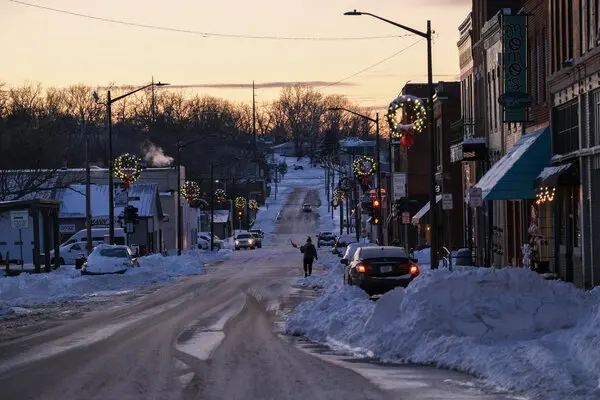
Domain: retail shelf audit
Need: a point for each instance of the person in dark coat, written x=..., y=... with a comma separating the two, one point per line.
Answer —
x=310, y=254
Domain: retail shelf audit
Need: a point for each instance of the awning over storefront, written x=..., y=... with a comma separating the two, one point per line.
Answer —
x=424, y=210
x=559, y=175
x=513, y=176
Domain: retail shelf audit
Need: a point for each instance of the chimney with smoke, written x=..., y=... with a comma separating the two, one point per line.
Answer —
x=155, y=156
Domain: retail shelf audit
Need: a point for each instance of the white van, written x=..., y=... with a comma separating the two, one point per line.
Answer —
x=98, y=235
x=76, y=247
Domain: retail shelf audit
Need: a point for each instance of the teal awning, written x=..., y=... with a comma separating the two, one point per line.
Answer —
x=513, y=176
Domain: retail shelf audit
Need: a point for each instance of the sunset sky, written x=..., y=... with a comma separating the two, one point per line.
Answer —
x=58, y=49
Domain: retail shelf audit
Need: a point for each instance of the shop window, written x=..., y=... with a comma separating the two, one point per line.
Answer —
x=565, y=138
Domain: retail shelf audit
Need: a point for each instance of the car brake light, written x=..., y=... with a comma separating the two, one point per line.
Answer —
x=361, y=269
x=414, y=270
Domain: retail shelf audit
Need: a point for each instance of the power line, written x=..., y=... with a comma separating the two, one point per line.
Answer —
x=202, y=33
x=371, y=66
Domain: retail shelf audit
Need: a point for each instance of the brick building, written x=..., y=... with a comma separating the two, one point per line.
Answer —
x=574, y=99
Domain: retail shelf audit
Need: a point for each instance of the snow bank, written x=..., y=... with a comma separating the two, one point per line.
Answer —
x=67, y=283
x=508, y=326
x=332, y=278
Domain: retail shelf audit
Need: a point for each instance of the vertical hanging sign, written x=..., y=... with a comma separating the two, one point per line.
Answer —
x=515, y=98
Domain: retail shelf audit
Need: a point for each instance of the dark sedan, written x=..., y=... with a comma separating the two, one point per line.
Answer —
x=380, y=269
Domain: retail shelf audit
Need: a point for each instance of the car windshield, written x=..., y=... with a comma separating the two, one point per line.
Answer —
x=245, y=236
x=383, y=253
x=117, y=253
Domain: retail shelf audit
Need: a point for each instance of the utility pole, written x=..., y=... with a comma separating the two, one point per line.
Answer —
x=254, y=118
x=153, y=111
x=88, y=205
x=111, y=183
x=179, y=208
x=378, y=150
x=212, y=205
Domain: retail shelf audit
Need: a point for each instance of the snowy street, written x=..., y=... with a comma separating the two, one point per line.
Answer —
x=214, y=336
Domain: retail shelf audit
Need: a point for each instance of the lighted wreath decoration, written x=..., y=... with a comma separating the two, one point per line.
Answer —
x=414, y=111
x=128, y=168
x=339, y=195
x=190, y=191
x=253, y=205
x=240, y=202
x=220, y=195
x=364, y=167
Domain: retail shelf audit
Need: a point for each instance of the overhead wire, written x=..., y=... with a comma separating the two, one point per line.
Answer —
x=205, y=34
x=371, y=66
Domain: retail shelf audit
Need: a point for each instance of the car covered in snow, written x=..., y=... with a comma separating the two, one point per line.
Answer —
x=344, y=240
x=306, y=207
x=326, y=239
x=245, y=240
x=379, y=269
x=109, y=259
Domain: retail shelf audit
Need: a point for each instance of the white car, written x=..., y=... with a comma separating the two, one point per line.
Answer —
x=245, y=241
x=109, y=259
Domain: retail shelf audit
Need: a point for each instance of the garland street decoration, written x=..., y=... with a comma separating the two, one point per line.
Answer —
x=128, y=168
x=240, y=202
x=253, y=205
x=220, y=195
x=414, y=114
x=339, y=195
x=190, y=191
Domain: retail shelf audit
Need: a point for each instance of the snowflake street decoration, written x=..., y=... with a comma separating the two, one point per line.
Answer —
x=220, y=195
x=253, y=205
x=128, y=168
x=190, y=191
x=240, y=202
x=413, y=113
x=339, y=195
x=364, y=167
x=346, y=184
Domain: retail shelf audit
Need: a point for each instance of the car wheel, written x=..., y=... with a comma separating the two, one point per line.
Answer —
x=237, y=248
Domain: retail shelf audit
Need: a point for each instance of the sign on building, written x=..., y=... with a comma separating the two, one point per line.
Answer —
x=475, y=197
x=66, y=228
x=447, y=201
x=406, y=218
x=19, y=219
x=515, y=98
x=399, y=185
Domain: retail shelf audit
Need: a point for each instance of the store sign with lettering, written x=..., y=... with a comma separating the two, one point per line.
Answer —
x=515, y=99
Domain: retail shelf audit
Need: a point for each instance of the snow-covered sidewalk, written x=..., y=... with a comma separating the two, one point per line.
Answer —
x=507, y=326
x=67, y=283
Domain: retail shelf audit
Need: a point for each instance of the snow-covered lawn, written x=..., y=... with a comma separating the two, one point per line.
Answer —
x=508, y=326
x=67, y=283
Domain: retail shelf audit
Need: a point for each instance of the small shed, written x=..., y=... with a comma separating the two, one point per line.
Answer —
x=28, y=229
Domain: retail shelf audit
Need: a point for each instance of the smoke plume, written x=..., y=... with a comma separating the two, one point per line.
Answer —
x=155, y=156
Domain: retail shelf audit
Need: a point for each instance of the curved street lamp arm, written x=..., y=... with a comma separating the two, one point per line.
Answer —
x=352, y=112
x=406, y=28
x=137, y=90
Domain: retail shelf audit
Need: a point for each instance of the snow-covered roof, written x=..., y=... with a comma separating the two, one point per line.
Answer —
x=553, y=170
x=357, y=142
x=475, y=140
x=424, y=210
x=221, y=216
x=73, y=200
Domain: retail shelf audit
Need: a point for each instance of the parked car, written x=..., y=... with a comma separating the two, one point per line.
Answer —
x=326, y=239
x=297, y=167
x=258, y=232
x=379, y=269
x=351, y=249
x=109, y=259
x=245, y=241
x=69, y=253
x=257, y=239
x=343, y=241
x=306, y=207
x=204, y=241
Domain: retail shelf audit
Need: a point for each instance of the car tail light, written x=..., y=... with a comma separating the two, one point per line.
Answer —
x=361, y=268
x=414, y=270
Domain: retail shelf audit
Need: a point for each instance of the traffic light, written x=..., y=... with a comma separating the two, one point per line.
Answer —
x=376, y=203
x=130, y=214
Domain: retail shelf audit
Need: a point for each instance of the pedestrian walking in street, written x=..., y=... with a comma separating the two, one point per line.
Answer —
x=310, y=254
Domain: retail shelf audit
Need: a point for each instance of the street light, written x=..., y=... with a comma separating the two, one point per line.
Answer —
x=377, y=150
x=432, y=209
x=111, y=186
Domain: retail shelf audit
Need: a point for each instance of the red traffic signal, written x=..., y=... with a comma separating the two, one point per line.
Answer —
x=376, y=203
